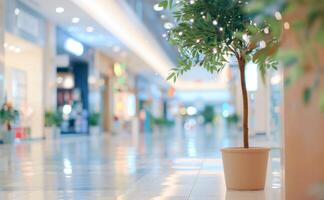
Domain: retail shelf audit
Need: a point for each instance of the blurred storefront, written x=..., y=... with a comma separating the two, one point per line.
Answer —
x=74, y=60
x=24, y=40
x=124, y=98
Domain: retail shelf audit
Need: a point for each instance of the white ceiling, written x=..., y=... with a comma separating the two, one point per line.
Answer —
x=115, y=24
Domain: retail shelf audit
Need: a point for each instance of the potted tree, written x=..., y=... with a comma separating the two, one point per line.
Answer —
x=94, y=122
x=208, y=33
x=8, y=116
x=51, y=123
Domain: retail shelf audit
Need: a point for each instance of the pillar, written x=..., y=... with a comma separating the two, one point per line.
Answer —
x=2, y=35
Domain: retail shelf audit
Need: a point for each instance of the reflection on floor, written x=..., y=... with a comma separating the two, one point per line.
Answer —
x=166, y=165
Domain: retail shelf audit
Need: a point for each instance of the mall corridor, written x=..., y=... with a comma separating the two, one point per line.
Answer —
x=167, y=165
x=161, y=100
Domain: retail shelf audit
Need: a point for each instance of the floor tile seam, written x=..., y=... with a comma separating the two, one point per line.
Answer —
x=196, y=179
x=127, y=191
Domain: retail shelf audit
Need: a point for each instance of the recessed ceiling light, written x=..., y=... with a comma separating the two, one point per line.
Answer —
x=75, y=20
x=89, y=29
x=18, y=50
x=17, y=11
x=59, y=9
x=12, y=47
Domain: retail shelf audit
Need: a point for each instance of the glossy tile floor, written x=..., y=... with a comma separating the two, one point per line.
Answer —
x=165, y=165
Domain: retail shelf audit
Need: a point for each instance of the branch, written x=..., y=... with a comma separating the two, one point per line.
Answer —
x=233, y=51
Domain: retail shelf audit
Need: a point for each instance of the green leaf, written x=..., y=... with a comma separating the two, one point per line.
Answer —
x=320, y=35
x=321, y=101
x=171, y=75
x=294, y=74
x=307, y=94
x=170, y=3
x=164, y=4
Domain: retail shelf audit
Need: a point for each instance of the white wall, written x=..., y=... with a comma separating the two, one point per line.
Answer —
x=30, y=62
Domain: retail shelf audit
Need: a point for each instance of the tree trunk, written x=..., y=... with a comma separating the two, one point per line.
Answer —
x=241, y=63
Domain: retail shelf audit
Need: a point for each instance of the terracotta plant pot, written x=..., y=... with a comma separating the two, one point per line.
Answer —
x=245, y=168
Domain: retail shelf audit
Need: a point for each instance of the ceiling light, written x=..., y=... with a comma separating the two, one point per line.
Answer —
x=163, y=17
x=12, y=47
x=75, y=20
x=17, y=50
x=59, y=9
x=5, y=45
x=17, y=11
x=89, y=29
x=74, y=47
x=157, y=7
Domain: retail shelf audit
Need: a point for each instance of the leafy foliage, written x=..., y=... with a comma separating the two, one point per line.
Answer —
x=309, y=31
x=208, y=114
x=94, y=119
x=8, y=115
x=209, y=32
x=52, y=118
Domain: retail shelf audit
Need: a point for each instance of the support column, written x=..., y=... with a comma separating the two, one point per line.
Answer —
x=2, y=35
x=50, y=68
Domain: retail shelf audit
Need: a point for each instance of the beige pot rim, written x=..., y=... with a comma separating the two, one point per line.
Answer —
x=245, y=150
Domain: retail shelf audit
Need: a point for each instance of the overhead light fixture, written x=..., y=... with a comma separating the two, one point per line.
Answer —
x=12, y=47
x=157, y=7
x=17, y=50
x=17, y=11
x=75, y=20
x=59, y=9
x=74, y=47
x=89, y=29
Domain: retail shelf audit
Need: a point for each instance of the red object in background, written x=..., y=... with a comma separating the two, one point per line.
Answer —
x=20, y=133
x=171, y=92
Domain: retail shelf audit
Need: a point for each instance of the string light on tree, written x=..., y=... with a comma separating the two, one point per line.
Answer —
x=286, y=26
x=278, y=15
x=215, y=22
x=263, y=44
